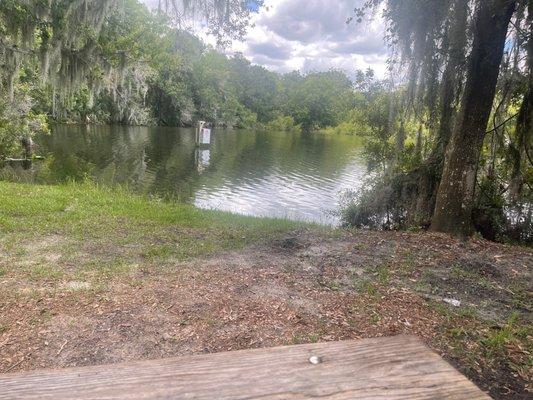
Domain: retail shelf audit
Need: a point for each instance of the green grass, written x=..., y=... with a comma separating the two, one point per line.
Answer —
x=383, y=274
x=496, y=340
x=83, y=230
x=367, y=287
x=89, y=209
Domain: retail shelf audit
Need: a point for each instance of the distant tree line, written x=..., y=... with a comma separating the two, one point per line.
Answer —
x=108, y=61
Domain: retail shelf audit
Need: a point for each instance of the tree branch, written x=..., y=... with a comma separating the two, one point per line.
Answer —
x=503, y=123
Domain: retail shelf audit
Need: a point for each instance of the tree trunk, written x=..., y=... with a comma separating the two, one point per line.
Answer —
x=455, y=195
x=427, y=176
x=429, y=173
x=456, y=49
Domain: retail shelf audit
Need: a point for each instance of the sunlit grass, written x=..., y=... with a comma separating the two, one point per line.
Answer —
x=89, y=209
x=83, y=231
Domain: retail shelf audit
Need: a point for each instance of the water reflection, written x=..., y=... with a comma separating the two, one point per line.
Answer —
x=298, y=176
x=202, y=156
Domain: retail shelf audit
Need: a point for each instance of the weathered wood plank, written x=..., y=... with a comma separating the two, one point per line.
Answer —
x=400, y=367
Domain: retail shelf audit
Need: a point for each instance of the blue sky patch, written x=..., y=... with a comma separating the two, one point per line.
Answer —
x=254, y=5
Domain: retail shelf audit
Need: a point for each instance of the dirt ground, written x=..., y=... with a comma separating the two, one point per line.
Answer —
x=296, y=289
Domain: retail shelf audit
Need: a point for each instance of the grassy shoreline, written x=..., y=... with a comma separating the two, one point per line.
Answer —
x=85, y=210
x=101, y=233
x=91, y=275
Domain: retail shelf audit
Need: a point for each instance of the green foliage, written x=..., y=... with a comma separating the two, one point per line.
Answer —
x=15, y=125
x=114, y=62
x=498, y=339
x=489, y=216
x=371, y=207
x=319, y=99
x=283, y=124
x=344, y=128
x=246, y=119
x=257, y=88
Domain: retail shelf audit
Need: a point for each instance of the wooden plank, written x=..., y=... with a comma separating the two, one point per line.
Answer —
x=400, y=367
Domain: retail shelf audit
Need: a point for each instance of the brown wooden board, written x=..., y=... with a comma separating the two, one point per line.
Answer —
x=399, y=367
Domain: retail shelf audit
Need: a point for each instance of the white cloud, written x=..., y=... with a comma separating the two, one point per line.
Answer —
x=312, y=35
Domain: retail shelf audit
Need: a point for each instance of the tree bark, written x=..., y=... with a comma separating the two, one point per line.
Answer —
x=455, y=196
x=456, y=55
x=430, y=172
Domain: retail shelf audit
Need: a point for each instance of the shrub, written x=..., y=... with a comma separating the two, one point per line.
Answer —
x=283, y=124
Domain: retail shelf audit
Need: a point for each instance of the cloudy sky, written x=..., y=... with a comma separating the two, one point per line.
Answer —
x=312, y=35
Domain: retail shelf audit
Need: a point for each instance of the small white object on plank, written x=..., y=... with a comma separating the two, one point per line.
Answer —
x=315, y=360
x=394, y=368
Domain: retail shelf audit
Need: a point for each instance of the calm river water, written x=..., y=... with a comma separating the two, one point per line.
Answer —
x=275, y=174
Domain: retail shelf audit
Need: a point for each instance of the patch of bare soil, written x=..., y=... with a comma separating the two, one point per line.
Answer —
x=298, y=289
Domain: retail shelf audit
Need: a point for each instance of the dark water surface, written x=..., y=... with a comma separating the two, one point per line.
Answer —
x=275, y=174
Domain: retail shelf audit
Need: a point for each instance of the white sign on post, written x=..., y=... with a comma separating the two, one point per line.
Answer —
x=205, y=137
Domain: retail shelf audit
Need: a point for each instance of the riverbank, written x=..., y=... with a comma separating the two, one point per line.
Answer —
x=91, y=275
